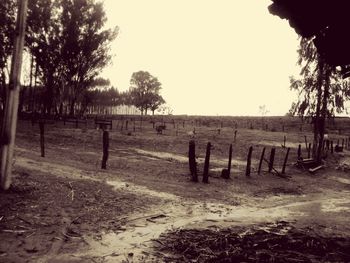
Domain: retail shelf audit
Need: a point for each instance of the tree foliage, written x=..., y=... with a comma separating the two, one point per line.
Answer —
x=70, y=47
x=321, y=91
x=308, y=83
x=7, y=26
x=85, y=48
x=145, y=90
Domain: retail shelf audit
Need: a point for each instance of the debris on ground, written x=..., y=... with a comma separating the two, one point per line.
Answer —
x=273, y=242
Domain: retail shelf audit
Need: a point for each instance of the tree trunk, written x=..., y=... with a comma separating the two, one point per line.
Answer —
x=317, y=119
x=323, y=114
x=72, y=107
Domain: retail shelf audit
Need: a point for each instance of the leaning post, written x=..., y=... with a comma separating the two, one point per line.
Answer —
x=9, y=125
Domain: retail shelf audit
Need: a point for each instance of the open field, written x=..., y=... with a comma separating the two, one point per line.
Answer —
x=64, y=208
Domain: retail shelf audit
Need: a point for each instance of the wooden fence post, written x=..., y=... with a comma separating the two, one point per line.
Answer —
x=299, y=152
x=192, y=160
x=261, y=160
x=285, y=161
x=225, y=173
x=229, y=160
x=331, y=146
x=249, y=161
x=206, y=164
x=272, y=159
x=309, y=151
x=105, y=142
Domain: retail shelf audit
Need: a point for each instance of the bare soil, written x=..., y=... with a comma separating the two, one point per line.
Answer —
x=64, y=208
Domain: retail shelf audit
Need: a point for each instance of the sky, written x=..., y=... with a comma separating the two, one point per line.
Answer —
x=223, y=57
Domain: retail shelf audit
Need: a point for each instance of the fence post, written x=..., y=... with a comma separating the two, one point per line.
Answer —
x=206, y=164
x=332, y=147
x=247, y=172
x=299, y=152
x=192, y=160
x=272, y=159
x=285, y=161
x=225, y=173
x=229, y=160
x=261, y=160
x=105, y=142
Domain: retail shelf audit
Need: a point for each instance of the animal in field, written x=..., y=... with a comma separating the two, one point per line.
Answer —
x=160, y=128
x=192, y=133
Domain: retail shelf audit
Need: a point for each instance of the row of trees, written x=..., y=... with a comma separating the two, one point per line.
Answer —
x=67, y=46
x=100, y=98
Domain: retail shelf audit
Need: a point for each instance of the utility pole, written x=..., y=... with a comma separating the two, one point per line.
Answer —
x=9, y=125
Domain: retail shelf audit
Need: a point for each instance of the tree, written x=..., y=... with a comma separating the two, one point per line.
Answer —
x=7, y=27
x=44, y=41
x=263, y=111
x=86, y=45
x=156, y=101
x=70, y=47
x=321, y=91
x=144, y=91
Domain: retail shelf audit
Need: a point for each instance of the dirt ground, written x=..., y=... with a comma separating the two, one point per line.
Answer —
x=64, y=208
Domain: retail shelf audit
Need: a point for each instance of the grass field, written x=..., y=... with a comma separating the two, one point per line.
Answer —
x=64, y=208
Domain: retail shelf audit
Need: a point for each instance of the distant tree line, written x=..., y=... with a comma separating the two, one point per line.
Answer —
x=67, y=46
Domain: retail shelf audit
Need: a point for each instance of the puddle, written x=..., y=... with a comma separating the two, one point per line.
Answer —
x=140, y=233
x=142, y=229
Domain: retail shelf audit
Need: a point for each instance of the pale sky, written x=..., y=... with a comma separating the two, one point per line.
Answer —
x=223, y=57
